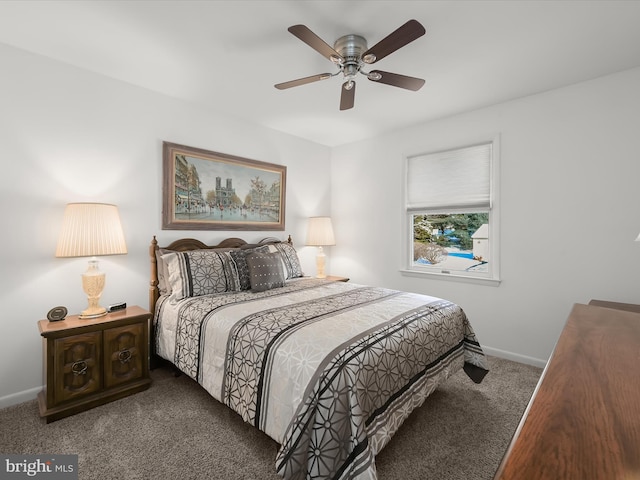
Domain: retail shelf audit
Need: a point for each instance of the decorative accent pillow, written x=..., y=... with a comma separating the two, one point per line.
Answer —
x=290, y=259
x=163, y=271
x=265, y=271
x=201, y=272
x=239, y=256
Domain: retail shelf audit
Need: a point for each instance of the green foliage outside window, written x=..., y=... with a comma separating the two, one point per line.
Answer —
x=448, y=230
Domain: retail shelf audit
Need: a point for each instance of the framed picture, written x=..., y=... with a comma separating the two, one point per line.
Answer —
x=205, y=190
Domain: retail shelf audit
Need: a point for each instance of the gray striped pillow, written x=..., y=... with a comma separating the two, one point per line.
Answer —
x=201, y=272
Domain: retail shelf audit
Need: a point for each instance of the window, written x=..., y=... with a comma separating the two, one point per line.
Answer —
x=451, y=213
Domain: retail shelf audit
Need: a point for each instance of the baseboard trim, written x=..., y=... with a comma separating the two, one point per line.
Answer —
x=20, y=397
x=536, y=362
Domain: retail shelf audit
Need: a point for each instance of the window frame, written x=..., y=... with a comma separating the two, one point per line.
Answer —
x=493, y=276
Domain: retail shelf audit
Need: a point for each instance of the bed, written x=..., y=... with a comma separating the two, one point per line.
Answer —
x=329, y=370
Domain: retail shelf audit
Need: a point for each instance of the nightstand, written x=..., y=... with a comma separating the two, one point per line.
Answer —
x=335, y=278
x=88, y=363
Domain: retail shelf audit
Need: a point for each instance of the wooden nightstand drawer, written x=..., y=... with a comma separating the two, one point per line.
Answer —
x=91, y=362
x=123, y=348
x=77, y=366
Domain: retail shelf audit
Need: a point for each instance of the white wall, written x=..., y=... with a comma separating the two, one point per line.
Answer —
x=68, y=135
x=570, y=167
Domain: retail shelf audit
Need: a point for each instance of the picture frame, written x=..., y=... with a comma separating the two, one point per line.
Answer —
x=206, y=190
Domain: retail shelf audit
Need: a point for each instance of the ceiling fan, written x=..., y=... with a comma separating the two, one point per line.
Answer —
x=350, y=54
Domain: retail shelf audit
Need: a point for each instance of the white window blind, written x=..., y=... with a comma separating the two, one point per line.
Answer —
x=450, y=180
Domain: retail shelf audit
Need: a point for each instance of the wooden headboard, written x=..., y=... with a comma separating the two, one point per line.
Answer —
x=184, y=245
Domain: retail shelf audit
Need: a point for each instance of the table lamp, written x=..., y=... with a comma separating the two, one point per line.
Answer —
x=319, y=234
x=90, y=230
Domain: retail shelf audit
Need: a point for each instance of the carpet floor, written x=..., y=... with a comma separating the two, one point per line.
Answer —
x=175, y=430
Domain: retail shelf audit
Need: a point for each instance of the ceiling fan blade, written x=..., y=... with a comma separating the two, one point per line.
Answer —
x=396, y=80
x=302, y=81
x=348, y=95
x=407, y=33
x=315, y=42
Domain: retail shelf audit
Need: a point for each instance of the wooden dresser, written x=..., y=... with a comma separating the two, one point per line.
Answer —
x=583, y=420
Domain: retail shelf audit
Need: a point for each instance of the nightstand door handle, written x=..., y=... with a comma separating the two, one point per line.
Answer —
x=79, y=368
x=124, y=356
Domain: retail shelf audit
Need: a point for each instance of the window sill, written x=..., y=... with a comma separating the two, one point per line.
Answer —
x=492, y=282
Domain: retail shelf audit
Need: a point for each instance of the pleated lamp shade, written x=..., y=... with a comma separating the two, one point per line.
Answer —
x=91, y=229
x=320, y=232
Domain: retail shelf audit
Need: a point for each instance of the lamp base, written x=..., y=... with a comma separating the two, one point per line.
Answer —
x=93, y=313
x=93, y=285
x=320, y=261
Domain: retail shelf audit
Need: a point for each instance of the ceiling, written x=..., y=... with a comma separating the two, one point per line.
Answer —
x=227, y=55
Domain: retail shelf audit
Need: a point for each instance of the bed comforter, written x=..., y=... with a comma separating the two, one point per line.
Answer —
x=329, y=370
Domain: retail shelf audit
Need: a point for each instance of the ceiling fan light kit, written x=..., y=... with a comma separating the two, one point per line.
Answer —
x=350, y=54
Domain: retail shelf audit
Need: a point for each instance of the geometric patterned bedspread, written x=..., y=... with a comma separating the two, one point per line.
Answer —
x=330, y=370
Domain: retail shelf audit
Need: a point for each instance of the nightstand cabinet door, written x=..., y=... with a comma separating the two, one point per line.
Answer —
x=77, y=366
x=124, y=350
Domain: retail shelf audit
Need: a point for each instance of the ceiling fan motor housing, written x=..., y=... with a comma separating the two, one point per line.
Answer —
x=351, y=48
